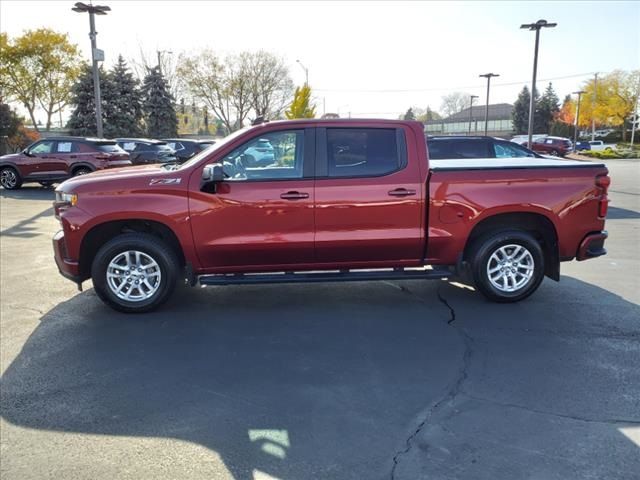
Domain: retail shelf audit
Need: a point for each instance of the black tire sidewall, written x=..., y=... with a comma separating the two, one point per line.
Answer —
x=77, y=171
x=152, y=246
x=484, y=248
x=18, y=178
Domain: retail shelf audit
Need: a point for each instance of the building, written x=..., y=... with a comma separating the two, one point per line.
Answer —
x=472, y=121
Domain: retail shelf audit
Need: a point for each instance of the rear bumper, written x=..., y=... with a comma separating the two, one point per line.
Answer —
x=592, y=246
x=68, y=268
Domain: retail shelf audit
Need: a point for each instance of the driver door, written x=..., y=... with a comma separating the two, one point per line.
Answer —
x=39, y=155
x=261, y=217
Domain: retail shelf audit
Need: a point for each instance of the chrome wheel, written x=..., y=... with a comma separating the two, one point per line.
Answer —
x=510, y=268
x=8, y=178
x=133, y=276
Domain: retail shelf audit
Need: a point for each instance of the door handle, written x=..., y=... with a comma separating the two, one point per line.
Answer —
x=294, y=195
x=401, y=192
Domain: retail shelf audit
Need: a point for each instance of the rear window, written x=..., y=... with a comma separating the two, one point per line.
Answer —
x=443, y=149
x=108, y=148
x=362, y=152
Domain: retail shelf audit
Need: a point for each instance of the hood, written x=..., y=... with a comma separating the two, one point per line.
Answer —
x=10, y=156
x=122, y=176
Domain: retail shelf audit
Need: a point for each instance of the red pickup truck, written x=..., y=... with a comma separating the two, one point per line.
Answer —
x=338, y=200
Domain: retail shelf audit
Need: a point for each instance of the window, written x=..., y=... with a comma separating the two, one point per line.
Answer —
x=108, y=147
x=272, y=156
x=510, y=150
x=458, y=148
x=361, y=152
x=129, y=146
x=175, y=146
x=42, y=147
x=66, y=147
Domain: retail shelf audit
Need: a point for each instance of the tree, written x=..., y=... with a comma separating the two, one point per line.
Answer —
x=520, y=112
x=541, y=119
x=455, y=102
x=270, y=85
x=409, y=115
x=546, y=109
x=301, y=106
x=157, y=106
x=38, y=69
x=123, y=105
x=82, y=121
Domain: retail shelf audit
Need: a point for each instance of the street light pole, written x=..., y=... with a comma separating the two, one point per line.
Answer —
x=594, y=100
x=575, y=131
x=470, y=111
x=306, y=72
x=96, y=55
x=535, y=26
x=486, y=110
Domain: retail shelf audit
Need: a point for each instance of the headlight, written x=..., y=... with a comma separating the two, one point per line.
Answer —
x=66, y=198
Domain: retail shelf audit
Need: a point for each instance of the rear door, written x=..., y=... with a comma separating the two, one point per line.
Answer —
x=64, y=153
x=369, y=204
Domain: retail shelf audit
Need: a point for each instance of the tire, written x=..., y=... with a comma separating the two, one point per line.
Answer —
x=513, y=281
x=117, y=288
x=10, y=178
x=81, y=171
x=46, y=184
x=554, y=153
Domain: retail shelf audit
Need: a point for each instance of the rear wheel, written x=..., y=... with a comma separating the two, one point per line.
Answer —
x=10, y=178
x=135, y=272
x=81, y=171
x=507, y=266
x=555, y=153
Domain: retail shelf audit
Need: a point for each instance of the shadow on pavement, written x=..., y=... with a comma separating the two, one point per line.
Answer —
x=616, y=213
x=29, y=192
x=305, y=381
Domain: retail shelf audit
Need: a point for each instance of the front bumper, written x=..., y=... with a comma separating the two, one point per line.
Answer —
x=68, y=268
x=592, y=246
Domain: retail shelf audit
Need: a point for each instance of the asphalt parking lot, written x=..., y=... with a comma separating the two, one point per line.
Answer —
x=402, y=380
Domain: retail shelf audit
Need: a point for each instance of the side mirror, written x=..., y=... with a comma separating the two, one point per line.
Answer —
x=213, y=173
x=28, y=153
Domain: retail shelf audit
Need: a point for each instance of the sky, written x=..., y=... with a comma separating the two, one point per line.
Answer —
x=369, y=59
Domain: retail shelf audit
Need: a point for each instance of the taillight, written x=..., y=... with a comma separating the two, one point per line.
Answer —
x=103, y=156
x=603, y=182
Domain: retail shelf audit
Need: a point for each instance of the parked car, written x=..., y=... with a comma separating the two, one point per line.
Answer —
x=340, y=197
x=259, y=153
x=186, y=148
x=55, y=159
x=145, y=150
x=600, y=146
x=522, y=139
x=583, y=146
x=555, y=146
x=450, y=147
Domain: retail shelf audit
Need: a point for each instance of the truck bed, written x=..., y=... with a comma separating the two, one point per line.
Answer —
x=506, y=163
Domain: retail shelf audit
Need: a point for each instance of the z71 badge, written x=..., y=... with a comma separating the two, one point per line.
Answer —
x=165, y=181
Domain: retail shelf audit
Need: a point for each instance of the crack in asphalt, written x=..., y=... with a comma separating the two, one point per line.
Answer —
x=452, y=392
x=553, y=414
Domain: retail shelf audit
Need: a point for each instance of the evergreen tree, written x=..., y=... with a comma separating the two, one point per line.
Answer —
x=520, y=113
x=548, y=107
x=123, y=116
x=157, y=106
x=83, y=118
x=409, y=115
x=301, y=106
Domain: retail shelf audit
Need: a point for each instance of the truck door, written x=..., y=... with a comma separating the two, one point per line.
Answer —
x=261, y=216
x=369, y=197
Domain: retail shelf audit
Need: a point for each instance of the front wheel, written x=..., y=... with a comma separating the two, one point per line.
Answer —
x=135, y=272
x=507, y=266
x=10, y=178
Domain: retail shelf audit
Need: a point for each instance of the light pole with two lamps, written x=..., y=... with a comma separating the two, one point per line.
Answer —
x=486, y=110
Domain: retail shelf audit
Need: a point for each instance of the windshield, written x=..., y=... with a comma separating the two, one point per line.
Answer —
x=207, y=151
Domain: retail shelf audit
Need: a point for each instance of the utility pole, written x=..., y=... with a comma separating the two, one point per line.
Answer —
x=470, y=111
x=635, y=123
x=486, y=110
x=96, y=55
x=575, y=131
x=535, y=26
x=306, y=72
x=594, y=101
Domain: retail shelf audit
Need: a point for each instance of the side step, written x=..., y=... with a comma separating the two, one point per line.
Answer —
x=331, y=276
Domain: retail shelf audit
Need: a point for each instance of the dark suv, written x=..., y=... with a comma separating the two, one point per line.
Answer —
x=187, y=148
x=556, y=146
x=55, y=159
x=450, y=147
x=145, y=150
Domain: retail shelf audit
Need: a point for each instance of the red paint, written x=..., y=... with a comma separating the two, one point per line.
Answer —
x=342, y=223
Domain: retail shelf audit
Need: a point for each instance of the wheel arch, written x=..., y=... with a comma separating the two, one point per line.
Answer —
x=75, y=166
x=538, y=224
x=101, y=233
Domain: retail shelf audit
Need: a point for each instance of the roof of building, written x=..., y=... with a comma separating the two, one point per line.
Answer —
x=497, y=111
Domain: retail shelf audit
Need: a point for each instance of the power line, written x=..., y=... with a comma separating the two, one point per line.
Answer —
x=435, y=89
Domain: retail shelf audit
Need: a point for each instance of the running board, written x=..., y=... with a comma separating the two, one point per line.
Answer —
x=333, y=276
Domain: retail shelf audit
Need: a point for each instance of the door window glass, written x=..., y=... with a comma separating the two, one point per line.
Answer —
x=271, y=156
x=510, y=150
x=65, y=147
x=361, y=152
x=42, y=147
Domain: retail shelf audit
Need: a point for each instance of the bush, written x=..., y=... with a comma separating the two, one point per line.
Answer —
x=610, y=154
